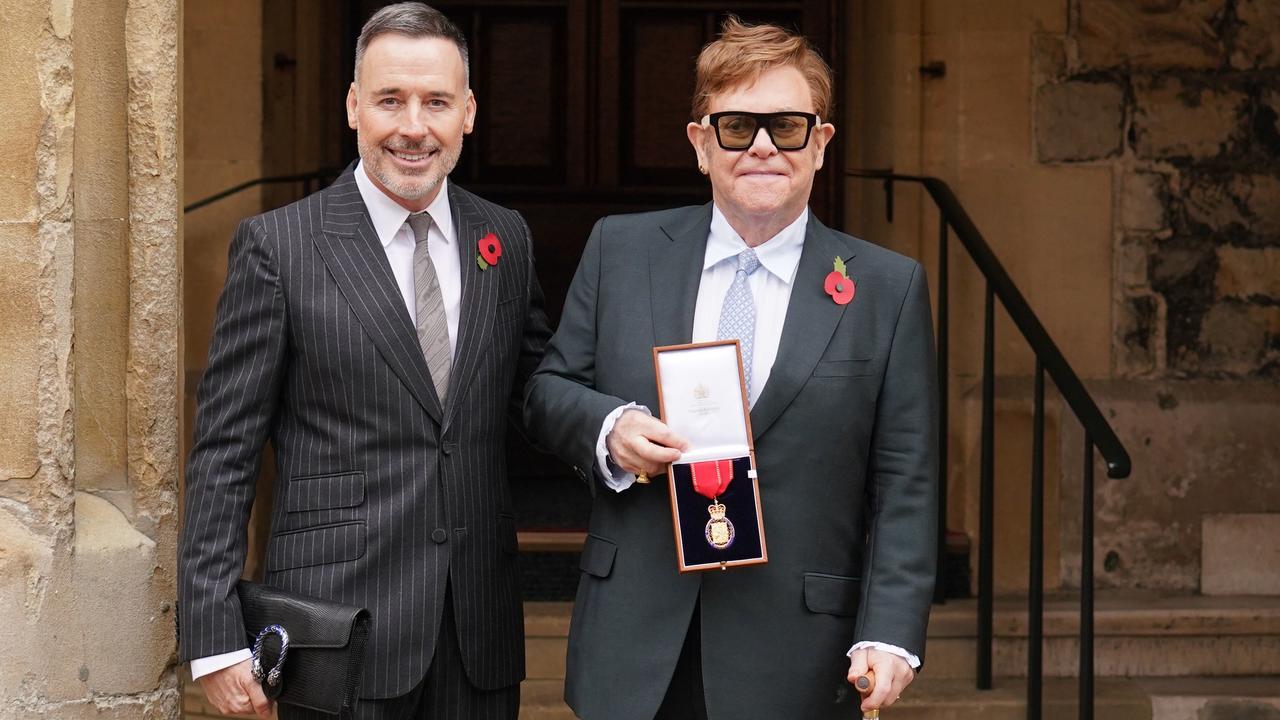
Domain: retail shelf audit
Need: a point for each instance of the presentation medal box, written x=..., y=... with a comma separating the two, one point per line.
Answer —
x=715, y=493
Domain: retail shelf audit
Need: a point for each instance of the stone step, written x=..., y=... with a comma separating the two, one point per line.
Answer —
x=1213, y=698
x=1240, y=554
x=935, y=698
x=539, y=700
x=543, y=700
x=546, y=632
x=1135, y=634
x=932, y=698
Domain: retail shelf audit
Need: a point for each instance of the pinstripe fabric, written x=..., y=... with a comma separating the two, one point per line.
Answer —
x=314, y=350
x=444, y=694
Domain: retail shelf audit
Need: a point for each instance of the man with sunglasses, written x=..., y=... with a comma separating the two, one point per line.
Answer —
x=838, y=357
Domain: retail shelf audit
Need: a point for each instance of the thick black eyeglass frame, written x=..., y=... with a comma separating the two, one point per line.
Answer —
x=764, y=120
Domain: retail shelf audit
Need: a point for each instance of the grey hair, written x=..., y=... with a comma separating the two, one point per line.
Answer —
x=415, y=20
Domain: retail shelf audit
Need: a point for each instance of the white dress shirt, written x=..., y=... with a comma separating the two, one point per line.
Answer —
x=390, y=223
x=779, y=256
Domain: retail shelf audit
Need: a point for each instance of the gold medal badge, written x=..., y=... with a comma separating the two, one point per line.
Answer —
x=719, y=531
x=710, y=479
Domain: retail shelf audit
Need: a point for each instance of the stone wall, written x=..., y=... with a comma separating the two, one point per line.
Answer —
x=1182, y=101
x=1122, y=158
x=89, y=367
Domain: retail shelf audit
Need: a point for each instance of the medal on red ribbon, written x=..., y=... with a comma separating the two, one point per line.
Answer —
x=710, y=479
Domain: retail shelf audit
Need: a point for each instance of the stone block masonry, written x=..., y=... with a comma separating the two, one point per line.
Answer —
x=1182, y=100
x=89, y=365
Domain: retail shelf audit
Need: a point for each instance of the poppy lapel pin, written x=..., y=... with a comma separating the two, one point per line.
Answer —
x=489, y=250
x=838, y=283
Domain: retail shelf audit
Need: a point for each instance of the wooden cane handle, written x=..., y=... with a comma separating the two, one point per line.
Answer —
x=865, y=685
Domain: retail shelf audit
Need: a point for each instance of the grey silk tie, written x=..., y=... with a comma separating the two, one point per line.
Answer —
x=433, y=326
x=738, y=313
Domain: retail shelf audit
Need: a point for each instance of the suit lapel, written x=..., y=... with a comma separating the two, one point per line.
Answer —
x=356, y=260
x=675, y=271
x=479, y=295
x=811, y=320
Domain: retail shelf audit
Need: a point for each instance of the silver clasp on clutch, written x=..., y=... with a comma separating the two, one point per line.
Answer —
x=273, y=675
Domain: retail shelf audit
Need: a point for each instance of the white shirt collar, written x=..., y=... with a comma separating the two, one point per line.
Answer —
x=779, y=254
x=388, y=216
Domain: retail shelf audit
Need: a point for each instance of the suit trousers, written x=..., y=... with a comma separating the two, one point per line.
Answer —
x=685, y=698
x=444, y=693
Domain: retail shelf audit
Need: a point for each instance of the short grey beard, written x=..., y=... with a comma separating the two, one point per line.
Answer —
x=378, y=170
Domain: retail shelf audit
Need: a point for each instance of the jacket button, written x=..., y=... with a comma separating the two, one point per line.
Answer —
x=439, y=535
x=449, y=446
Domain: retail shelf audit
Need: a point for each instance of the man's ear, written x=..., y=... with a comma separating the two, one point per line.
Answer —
x=822, y=135
x=352, y=101
x=469, y=121
x=696, y=131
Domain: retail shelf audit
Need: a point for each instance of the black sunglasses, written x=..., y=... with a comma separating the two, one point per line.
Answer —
x=736, y=130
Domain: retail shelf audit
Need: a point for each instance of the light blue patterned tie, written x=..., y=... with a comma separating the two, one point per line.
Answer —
x=738, y=314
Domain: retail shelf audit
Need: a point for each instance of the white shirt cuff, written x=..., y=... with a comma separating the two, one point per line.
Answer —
x=614, y=477
x=912, y=660
x=205, y=665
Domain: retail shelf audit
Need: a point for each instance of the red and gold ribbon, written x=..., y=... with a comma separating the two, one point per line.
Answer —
x=711, y=477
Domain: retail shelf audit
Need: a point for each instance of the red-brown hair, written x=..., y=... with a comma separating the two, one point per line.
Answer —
x=743, y=52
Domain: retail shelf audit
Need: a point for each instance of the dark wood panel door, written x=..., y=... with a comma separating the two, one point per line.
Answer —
x=582, y=106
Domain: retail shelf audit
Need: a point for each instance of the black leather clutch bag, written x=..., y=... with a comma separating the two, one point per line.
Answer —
x=306, y=651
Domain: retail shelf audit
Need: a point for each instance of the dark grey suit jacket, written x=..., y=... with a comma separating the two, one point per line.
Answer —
x=382, y=495
x=846, y=446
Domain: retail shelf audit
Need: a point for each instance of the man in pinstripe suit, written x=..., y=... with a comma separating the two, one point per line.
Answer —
x=379, y=333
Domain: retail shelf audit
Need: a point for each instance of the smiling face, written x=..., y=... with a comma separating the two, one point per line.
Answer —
x=410, y=107
x=762, y=187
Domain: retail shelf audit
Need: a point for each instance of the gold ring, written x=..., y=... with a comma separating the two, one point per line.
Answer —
x=642, y=477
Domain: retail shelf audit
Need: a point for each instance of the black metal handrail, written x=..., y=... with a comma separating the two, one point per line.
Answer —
x=1097, y=433
x=311, y=181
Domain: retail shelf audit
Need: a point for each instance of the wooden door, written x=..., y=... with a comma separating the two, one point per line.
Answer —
x=582, y=106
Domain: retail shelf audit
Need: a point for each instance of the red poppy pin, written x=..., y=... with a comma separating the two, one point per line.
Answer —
x=838, y=284
x=490, y=251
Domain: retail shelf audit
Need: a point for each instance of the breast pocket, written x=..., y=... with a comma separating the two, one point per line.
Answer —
x=325, y=492
x=509, y=311
x=855, y=367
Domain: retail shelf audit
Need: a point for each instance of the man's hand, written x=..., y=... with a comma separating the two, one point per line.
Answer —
x=893, y=675
x=640, y=443
x=233, y=691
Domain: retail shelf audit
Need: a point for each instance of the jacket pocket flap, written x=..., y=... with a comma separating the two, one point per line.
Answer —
x=597, y=556
x=832, y=594
x=324, y=492
x=316, y=546
x=508, y=540
x=844, y=368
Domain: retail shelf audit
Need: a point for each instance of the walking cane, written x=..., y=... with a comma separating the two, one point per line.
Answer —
x=865, y=685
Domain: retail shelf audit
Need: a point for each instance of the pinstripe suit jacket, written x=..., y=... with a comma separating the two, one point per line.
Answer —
x=382, y=494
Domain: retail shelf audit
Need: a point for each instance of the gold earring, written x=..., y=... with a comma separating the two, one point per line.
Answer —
x=702, y=168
